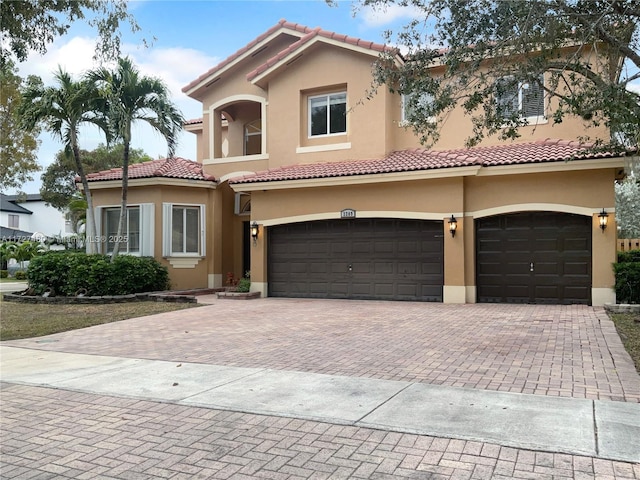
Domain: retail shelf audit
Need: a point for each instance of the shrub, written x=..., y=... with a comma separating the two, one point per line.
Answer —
x=20, y=275
x=244, y=285
x=627, y=272
x=68, y=272
x=630, y=256
x=4, y=273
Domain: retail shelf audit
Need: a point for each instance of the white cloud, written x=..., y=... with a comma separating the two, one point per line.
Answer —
x=375, y=17
x=176, y=67
x=75, y=56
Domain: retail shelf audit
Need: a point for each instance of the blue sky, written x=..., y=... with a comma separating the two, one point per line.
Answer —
x=191, y=37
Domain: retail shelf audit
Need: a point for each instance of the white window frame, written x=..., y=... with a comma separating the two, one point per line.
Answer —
x=522, y=86
x=167, y=229
x=247, y=134
x=13, y=221
x=327, y=96
x=109, y=237
x=147, y=229
x=424, y=97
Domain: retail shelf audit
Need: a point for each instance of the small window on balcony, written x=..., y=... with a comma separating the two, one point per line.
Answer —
x=253, y=137
x=328, y=114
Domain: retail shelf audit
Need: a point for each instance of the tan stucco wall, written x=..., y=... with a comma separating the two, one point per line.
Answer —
x=181, y=278
x=324, y=69
x=455, y=126
x=468, y=198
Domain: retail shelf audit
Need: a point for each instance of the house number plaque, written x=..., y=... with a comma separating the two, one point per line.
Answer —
x=348, y=213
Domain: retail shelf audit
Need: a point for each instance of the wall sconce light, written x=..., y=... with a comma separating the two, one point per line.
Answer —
x=603, y=216
x=255, y=230
x=453, y=225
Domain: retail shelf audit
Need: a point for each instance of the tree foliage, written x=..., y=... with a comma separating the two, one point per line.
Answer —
x=62, y=109
x=589, y=51
x=27, y=25
x=628, y=202
x=133, y=98
x=59, y=179
x=18, y=147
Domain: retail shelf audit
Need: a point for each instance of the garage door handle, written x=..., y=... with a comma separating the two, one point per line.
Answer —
x=531, y=267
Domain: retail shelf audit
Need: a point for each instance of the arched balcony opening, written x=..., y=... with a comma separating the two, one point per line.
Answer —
x=238, y=129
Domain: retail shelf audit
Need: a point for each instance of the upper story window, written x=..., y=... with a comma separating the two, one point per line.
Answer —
x=253, y=137
x=523, y=98
x=411, y=103
x=328, y=114
x=14, y=221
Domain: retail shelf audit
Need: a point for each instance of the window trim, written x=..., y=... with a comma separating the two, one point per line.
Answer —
x=247, y=134
x=104, y=241
x=13, y=220
x=309, y=110
x=404, y=121
x=533, y=119
x=167, y=230
x=147, y=228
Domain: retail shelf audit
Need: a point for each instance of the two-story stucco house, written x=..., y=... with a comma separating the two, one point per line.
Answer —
x=322, y=193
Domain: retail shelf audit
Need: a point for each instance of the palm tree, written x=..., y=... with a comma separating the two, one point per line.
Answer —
x=133, y=97
x=63, y=109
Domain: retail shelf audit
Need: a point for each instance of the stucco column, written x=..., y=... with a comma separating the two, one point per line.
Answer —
x=215, y=277
x=604, y=248
x=259, y=261
x=454, y=263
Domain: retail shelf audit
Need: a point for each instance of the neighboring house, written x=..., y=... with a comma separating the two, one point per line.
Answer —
x=30, y=215
x=322, y=193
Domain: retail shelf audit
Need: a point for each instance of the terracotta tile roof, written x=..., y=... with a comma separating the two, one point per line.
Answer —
x=281, y=24
x=316, y=32
x=420, y=159
x=166, y=168
x=193, y=121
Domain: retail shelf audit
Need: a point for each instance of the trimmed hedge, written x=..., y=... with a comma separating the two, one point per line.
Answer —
x=627, y=272
x=68, y=272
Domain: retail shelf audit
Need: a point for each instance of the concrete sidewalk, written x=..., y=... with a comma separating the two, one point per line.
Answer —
x=595, y=428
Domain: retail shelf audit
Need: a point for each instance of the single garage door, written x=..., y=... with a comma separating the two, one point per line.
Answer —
x=386, y=259
x=534, y=257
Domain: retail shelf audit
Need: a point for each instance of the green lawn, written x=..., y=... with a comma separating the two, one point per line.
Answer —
x=23, y=320
x=628, y=326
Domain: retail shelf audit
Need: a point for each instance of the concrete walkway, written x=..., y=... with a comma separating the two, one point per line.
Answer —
x=594, y=428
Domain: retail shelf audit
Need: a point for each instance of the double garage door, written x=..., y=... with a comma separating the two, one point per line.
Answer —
x=386, y=259
x=534, y=257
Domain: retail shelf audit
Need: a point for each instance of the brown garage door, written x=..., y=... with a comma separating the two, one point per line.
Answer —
x=534, y=257
x=387, y=259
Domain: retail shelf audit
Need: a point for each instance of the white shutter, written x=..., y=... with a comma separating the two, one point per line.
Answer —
x=147, y=229
x=98, y=212
x=533, y=99
x=166, y=229
x=203, y=231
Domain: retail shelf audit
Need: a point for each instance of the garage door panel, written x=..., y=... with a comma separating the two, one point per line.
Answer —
x=577, y=269
x=576, y=244
x=558, y=245
x=365, y=258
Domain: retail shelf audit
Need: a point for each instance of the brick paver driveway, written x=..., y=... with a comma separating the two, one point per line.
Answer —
x=570, y=351
x=550, y=350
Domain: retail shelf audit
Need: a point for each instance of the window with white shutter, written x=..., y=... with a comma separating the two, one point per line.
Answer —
x=523, y=98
